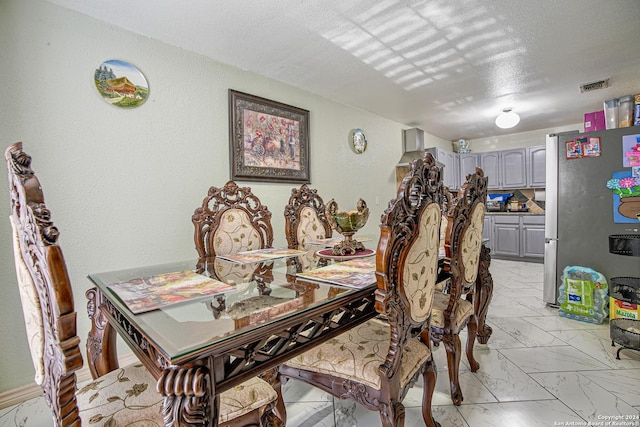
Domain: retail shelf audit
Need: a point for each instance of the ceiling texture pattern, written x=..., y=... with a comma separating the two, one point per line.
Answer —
x=445, y=66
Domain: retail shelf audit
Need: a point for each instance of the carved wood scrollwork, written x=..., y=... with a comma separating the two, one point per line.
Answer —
x=48, y=278
x=135, y=335
x=399, y=227
x=207, y=217
x=185, y=401
x=300, y=198
x=483, y=294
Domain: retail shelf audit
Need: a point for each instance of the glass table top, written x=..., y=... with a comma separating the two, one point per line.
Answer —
x=261, y=293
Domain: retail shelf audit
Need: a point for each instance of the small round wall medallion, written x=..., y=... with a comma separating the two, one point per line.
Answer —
x=121, y=84
x=358, y=141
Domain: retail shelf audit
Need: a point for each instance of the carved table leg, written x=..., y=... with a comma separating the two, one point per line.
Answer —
x=187, y=397
x=101, y=343
x=272, y=376
x=483, y=294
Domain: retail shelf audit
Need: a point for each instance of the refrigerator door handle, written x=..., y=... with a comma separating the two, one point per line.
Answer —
x=550, y=239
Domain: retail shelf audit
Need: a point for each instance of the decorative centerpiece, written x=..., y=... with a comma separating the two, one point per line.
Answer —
x=347, y=223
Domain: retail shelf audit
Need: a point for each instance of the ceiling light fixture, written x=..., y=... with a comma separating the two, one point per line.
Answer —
x=507, y=119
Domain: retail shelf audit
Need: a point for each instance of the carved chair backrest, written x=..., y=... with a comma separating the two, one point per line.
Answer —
x=45, y=289
x=407, y=256
x=305, y=218
x=464, y=232
x=448, y=203
x=231, y=219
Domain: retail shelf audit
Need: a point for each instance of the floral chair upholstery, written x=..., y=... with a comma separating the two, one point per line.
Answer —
x=454, y=310
x=125, y=396
x=376, y=362
x=231, y=219
x=305, y=221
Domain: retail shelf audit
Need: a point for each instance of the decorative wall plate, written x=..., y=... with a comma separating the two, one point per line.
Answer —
x=358, y=141
x=121, y=84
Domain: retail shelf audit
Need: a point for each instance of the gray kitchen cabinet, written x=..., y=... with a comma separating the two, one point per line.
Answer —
x=536, y=174
x=506, y=233
x=506, y=169
x=513, y=168
x=533, y=236
x=517, y=236
x=487, y=231
x=451, y=168
x=468, y=164
x=490, y=164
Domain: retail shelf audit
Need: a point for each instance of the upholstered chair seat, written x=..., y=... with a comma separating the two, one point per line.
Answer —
x=340, y=356
x=127, y=396
x=463, y=312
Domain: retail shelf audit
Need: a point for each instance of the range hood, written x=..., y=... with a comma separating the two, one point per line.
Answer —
x=412, y=145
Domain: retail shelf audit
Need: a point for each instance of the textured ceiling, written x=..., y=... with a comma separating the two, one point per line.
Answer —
x=446, y=66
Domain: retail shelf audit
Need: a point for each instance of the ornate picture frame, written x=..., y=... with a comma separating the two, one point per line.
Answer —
x=268, y=140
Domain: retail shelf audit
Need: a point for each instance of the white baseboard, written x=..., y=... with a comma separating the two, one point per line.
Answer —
x=30, y=391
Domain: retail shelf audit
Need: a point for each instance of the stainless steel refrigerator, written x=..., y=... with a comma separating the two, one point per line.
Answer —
x=579, y=211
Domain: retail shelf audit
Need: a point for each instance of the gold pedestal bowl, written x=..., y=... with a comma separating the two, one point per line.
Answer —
x=347, y=223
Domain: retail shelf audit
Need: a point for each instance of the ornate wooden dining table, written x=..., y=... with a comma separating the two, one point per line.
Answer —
x=199, y=348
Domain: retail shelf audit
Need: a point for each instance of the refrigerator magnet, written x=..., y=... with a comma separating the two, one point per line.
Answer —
x=574, y=149
x=631, y=150
x=591, y=148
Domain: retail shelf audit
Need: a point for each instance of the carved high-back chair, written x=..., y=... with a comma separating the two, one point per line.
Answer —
x=231, y=219
x=454, y=310
x=124, y=396
x=305, y=220
x=377, y=362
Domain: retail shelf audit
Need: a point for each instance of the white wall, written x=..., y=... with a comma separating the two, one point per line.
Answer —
x=122, y=184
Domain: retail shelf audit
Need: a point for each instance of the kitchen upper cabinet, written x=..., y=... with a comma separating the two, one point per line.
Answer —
x=490, y=164
x=513, y=168
x=505, y=169
x=451, y=166
x=468, y=164
x=536, y=174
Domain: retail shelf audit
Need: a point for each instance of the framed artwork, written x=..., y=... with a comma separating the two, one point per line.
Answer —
x=121, y=84
x=269, y=141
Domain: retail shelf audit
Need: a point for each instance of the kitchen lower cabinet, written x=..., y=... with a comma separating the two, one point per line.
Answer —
x=533, y=236
x=517, y=236
x=487, y=231
x=506, y=234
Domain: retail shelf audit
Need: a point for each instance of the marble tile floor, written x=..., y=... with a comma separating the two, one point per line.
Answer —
x=538, y=370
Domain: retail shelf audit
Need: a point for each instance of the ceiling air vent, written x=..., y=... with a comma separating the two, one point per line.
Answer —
x=588, y=87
